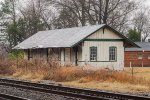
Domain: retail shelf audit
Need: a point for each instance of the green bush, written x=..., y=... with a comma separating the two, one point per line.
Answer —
x=16, y=55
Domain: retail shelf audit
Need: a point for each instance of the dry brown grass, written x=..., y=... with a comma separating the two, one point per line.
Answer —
x=35, y=70
x=7, y=68
x=110, y=86
x=77, y=76
x=142, y=72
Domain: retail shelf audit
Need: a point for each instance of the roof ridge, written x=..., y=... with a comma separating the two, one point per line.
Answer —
x=72, y=27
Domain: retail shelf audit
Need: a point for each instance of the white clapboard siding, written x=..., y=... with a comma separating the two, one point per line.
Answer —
x=108, y=34
x=103, y=53
x=103, y=50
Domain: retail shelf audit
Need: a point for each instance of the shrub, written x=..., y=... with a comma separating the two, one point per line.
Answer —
x=16, y=55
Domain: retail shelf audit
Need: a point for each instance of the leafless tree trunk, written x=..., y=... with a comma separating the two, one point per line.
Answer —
x=141, y=23
x=112, y=12
x=106, y=12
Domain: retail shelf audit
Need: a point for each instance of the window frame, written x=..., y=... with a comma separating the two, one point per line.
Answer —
x=115, y=48
x=93, y=47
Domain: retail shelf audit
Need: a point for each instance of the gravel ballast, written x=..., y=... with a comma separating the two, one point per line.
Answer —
x=32, y=95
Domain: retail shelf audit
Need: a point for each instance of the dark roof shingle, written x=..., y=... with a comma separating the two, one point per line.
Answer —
x=144, y=46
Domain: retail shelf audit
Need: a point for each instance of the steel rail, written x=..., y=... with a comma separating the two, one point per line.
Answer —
x=70, y=91
x=11, y=97
x=64, y=93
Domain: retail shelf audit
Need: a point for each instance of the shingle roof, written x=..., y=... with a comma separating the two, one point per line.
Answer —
x=144, y=46
x=61, y=37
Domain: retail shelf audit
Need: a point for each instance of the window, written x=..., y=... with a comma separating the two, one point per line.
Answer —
x=93, y=53
x=140, y=56
x=112, y=53
x=148, y=40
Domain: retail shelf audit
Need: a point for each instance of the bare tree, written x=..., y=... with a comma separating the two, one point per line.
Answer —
x=112, y=12
x=65, y=19
x=141, y=23
x=38, y=15
x=76, y=7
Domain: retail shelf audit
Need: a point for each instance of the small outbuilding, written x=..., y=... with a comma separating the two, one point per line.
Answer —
x=99, y=46
x=138, y=57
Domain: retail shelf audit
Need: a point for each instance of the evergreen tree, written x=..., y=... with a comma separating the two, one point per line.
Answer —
x=134, y=35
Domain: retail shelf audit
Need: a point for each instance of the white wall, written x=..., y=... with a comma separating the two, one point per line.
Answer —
x=103, y=50
x=108, y=34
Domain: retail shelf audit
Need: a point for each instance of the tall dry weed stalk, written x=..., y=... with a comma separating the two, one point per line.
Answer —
x=53, y=71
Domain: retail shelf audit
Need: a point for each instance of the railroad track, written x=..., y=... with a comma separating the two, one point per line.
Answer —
x=69, y=91
x=10, y=97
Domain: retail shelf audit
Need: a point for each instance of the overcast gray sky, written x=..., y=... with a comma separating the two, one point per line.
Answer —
x=147, y=2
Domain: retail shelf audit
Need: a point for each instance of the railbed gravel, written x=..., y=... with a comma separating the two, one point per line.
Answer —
x=47, y=82
x=33, y=95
